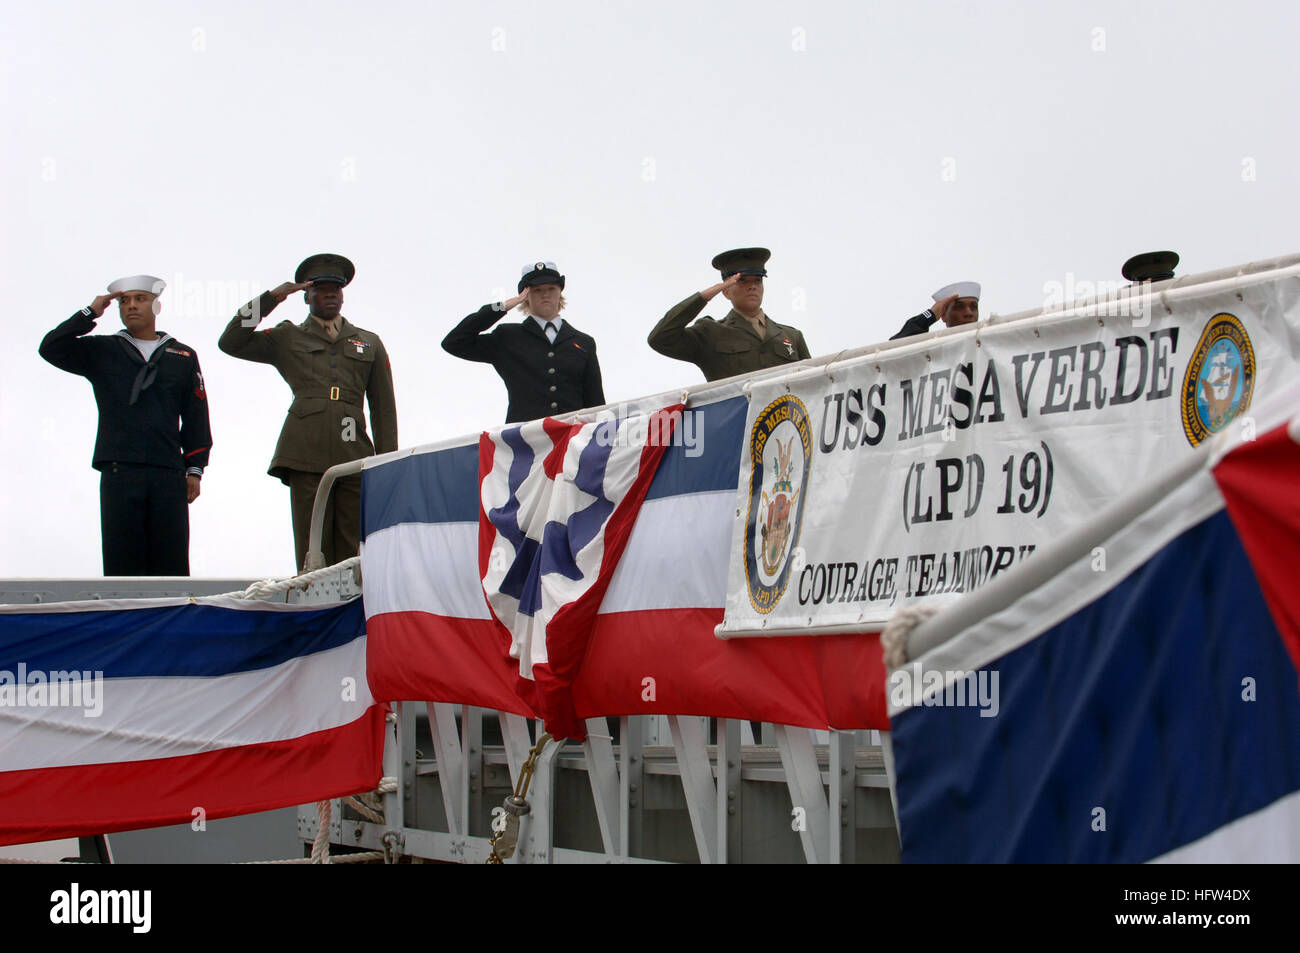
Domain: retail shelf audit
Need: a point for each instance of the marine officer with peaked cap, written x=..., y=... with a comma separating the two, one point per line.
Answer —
x=746, y=339
x=955, y=304
x=332, y=366
x=548, y=366
x=145, y=381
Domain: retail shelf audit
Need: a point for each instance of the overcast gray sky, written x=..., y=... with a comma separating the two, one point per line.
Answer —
x=879, y=149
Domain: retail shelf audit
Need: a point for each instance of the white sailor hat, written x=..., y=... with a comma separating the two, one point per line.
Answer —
x=147, y=283
x=962, y=289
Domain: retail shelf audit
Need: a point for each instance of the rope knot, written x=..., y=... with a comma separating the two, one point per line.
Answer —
x=894, y=638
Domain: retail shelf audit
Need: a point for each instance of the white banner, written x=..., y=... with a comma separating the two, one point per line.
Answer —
x=924, y=470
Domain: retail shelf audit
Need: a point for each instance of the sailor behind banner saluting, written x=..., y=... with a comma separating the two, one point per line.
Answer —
x=332, y=367
x=154, y=437
x=548, y=366
x=955, y=304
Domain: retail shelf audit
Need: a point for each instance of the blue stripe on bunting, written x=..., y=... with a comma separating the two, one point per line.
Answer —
x=442, y=486
x=1133, y=705
x=437, y=487
x=185, y=640
x=718, y=433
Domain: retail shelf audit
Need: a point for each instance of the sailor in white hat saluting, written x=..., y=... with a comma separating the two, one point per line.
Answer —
x=954, y=305
x=154, y=437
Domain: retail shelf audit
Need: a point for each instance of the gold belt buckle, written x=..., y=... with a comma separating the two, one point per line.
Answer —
x=334, y=393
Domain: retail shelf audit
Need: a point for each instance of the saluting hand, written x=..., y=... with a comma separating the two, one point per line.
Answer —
x=288, y=288
x=941, y=307
x=710, y=293
x=517, y=300
x=191, y=488
x=101, y=302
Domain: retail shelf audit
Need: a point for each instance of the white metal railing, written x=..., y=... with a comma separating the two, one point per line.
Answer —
x=823, y=801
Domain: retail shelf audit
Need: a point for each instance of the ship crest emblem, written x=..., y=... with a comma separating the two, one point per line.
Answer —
x=780, y=448
x=775, y=528
x=1220, y=379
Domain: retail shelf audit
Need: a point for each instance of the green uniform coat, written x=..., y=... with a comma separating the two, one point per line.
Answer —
x=329, y=379
x=727, y=347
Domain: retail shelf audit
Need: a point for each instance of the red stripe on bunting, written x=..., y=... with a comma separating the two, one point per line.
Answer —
x=81, y=800
x=1260, y=482
x=419, y=656
x=835, y=681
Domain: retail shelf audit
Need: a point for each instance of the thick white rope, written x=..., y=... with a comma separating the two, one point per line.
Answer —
x=365, y=810
x=894, y=637
x=320, y=847
x=361, y=857
x=371, y=815
x=269, y=587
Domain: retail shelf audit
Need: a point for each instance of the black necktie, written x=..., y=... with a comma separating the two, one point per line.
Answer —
x=551, y=332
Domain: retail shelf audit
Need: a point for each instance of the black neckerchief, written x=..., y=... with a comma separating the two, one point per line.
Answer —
x=144, y=378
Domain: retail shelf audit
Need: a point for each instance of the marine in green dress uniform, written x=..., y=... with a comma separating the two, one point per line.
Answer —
x=332, y=367
x=746, y=339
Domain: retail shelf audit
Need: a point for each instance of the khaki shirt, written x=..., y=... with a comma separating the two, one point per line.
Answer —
x=326, y=423
x=727, y=347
